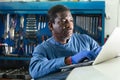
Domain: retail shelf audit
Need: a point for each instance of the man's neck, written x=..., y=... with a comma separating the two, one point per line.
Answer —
x=62, y=41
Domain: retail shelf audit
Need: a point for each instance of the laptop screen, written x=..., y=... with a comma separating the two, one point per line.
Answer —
x=111, y=48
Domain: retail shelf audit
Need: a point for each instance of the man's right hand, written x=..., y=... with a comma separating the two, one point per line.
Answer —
x=83, y=55
x=80, y=57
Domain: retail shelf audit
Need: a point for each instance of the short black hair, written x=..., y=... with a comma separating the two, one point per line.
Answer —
x=54, y=10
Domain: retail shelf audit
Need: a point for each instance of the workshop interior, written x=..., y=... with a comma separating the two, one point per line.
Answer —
x=23, y=25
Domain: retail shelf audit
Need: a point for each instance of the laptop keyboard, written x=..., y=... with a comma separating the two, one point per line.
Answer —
x=69, y=67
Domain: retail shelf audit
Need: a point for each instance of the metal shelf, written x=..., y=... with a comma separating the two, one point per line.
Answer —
x=94, y=7
x=14, y=58
x=41, y=8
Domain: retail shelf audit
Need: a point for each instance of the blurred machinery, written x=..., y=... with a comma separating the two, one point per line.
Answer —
x=23, y=25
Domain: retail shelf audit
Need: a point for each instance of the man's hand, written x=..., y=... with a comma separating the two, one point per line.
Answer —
x=80, y=57
x=83, y=55
x=93, y=53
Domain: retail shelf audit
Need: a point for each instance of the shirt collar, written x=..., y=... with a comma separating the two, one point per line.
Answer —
x=53, y=41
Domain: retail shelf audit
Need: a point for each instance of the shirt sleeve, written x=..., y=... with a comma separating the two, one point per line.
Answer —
x=94, y=48
x=93, y=44
x=40, y=65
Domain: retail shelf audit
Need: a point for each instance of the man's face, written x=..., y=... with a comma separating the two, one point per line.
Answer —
x=62, y=28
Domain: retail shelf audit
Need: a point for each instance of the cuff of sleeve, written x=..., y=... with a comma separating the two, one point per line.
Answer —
x=61, y=62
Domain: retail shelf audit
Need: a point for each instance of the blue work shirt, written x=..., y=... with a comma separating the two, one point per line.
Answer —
x=49, y=56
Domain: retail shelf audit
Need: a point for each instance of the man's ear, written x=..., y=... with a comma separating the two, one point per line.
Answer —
x=50, y=25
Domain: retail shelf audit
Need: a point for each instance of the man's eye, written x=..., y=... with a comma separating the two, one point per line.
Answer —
x=63, y=20
x=71, y=20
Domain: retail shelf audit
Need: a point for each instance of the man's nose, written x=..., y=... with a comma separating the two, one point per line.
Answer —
x=67, y=22
x=67, y=25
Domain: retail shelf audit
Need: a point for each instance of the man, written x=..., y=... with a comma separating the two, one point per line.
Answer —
x=64, y=47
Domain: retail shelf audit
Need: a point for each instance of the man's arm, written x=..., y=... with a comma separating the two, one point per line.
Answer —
x=40, y=65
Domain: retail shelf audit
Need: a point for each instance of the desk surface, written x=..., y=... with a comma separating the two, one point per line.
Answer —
x=109, y=70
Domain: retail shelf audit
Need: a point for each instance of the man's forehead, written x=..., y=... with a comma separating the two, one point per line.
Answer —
x=64, y=14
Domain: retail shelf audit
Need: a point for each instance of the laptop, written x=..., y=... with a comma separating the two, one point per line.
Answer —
x=110, y=50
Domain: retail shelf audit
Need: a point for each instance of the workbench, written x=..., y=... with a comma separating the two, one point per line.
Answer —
x=108, y=70
x=14, y=67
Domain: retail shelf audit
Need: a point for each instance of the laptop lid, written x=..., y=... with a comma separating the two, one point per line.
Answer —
x=111, y=48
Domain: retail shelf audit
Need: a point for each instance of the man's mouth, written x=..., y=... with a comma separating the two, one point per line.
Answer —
x=68, y=31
